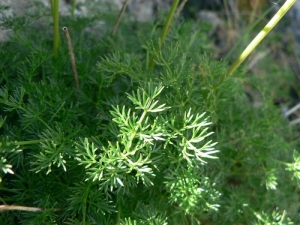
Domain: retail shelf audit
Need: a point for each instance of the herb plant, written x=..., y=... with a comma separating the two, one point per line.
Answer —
x=174, y=142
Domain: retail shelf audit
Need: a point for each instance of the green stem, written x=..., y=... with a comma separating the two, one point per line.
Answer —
x=262, y=34
x=73, y=7
x=249, y=29
x=136, y=128
x=52, y=8
x=176, y=83
x=85, y=197
x=166, y=28
x=18, y=143
x=119, y=211
x=55, y=15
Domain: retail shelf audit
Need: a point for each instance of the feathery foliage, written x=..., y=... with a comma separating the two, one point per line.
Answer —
x=175, y=144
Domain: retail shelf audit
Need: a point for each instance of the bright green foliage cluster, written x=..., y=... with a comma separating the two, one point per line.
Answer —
x=134, y=145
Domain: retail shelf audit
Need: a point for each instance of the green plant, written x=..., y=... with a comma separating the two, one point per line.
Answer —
x=135, y=145
x=271, y=24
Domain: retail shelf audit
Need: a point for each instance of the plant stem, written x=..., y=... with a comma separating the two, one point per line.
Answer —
x=73, y=7
x=180, y=8
x=55, y=15
x=165, y=29
x=120, y=17
x=19, y=208
x=85, y=198
x=262, y=34
x=26, y=142
x=136, y=128
x=72, y=56
x=169, y=19
x=248, y=31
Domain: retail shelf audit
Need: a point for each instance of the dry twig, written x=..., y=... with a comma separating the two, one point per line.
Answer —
x=180, y=8
x=19, y=208
x=119, y=17
x=72, y=57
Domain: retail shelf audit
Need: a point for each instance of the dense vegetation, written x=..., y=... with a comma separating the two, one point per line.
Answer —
x=153, y=134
